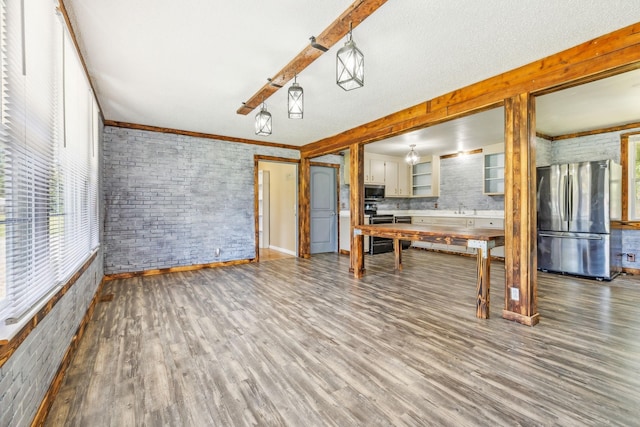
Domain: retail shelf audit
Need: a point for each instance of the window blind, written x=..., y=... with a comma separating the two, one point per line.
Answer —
x=48, y=139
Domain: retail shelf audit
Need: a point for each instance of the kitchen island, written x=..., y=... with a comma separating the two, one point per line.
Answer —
x=482, y=239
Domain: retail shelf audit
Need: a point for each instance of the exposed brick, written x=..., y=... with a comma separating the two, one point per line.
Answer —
x=171, y=200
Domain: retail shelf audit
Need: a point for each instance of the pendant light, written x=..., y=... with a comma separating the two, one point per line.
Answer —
x=263, y=121
x=296, y=100
x=412, y=156
x=350, y=65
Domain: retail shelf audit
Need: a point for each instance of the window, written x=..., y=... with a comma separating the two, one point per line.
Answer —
x=49, y=168
x=630, y=158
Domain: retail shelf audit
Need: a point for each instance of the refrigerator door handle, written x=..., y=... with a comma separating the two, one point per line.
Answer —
x=571, y=236
x=563, y=201
x=570, y=198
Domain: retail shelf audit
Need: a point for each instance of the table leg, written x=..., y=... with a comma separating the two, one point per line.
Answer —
x=397, y=248
x=482, y=285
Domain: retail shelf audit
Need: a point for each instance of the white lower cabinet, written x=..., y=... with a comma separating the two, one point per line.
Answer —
x=492, y=223
x=345, y=236
x=345, y=233
x=462, y=222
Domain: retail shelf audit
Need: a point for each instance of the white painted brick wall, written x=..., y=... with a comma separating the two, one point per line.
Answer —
x=171, y=200
x=27, y=375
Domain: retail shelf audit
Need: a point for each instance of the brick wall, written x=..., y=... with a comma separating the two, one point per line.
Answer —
x=27, y=375
x=171, y=200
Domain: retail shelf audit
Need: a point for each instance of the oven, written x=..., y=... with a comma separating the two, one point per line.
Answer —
x=378, y=245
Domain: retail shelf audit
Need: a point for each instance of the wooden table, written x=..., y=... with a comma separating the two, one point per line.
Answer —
x=483, y=239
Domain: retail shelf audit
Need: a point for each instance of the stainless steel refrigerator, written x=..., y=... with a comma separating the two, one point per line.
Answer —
x=576, y=203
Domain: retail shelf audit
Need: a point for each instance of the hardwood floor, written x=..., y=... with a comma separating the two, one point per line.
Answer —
x=302, y=343
x=267, y=254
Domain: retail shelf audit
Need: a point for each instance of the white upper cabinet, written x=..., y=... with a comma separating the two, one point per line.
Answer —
x=373, y=170
x=493, y=169
x=425, y=177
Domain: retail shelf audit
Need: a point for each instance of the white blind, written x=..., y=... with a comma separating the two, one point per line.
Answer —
x=49, y=181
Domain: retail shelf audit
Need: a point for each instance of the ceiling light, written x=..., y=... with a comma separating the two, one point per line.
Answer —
x=296, y=100
x=412, y=156
x=350, y=66
x=263, y=121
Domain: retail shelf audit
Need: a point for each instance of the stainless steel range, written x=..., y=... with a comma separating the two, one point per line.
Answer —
x=378, y=245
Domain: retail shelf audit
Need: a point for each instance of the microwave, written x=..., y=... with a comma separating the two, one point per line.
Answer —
x=373, y=192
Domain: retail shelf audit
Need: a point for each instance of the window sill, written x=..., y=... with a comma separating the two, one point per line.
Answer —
x=11, y=336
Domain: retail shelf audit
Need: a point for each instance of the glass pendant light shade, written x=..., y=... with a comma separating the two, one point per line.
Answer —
x=263, y=121
x=412, y=156
x=296, y=101
x=350, y=66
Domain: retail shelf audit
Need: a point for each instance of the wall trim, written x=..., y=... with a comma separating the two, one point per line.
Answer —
x=619, y=128
x=176, y=269
x=8, y=347
x=56, y=383
x=149, y=128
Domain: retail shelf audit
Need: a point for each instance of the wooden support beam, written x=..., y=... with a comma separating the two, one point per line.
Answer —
x=604, y=56
x=521, y=287
x=304, y=209
x=357, y=12
x=356, y=183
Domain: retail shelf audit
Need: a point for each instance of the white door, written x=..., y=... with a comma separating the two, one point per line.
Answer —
x=324, y=217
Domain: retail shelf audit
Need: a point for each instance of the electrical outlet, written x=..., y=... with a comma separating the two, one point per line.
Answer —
x=217, y=252
x=631, y=257
x=515, y=294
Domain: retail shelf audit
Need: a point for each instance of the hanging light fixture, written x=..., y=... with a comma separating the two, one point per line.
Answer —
x=350, y=65
x=412, y=156
x=263, y=121
x=296, y=100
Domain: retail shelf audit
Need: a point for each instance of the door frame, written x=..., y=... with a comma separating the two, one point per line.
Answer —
x=256, y=203
x=336, y=168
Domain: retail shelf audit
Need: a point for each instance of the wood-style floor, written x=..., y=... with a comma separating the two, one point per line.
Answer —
x=267, y=254
x=302, y=343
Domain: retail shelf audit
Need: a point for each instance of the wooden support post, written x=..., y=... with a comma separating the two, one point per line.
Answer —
x=356, y=182
x=304, y=209
x=521, y=288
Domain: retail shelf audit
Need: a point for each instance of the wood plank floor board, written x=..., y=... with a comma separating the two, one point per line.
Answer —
x=295, y=342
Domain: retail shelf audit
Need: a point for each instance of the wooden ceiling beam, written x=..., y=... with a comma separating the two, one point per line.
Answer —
x=604, y=56
x=337, y=30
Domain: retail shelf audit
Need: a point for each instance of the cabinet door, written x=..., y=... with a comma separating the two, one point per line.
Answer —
x=367, y=171
x=391, y=179
x=376, y=171
x=403, y=179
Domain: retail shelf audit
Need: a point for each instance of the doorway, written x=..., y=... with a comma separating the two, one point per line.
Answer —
x=276, y=209
x=324, y=215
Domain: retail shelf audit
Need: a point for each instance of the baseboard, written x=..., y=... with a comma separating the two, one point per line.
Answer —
x=54, y=388
x=631, y=271
x=177, y=269
x=344, y=252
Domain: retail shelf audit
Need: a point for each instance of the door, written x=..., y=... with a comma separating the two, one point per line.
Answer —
x=324, y=218
x=551, y=195
x=589, y=197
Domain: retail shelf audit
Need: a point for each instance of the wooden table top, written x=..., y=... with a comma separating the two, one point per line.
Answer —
x=424, y=232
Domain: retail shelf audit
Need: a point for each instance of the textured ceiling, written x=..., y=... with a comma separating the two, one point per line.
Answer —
x=189, y=65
